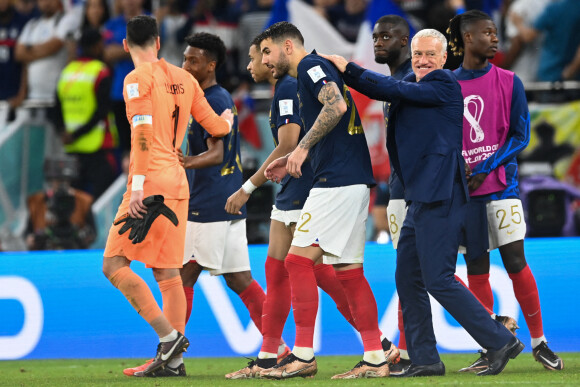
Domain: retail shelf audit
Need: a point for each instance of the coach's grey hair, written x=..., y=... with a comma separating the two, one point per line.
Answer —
x=429, y=32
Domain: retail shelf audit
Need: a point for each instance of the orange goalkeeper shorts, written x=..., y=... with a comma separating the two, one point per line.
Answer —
x=162, y=248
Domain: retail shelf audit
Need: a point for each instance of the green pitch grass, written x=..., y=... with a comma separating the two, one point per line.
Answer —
x=523, y=371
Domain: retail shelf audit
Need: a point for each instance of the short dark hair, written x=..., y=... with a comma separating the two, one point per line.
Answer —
x=212, y=45
x=459, y=24
x=258, y=39
x=395, y=20
x=283, y=30
x=142, y=31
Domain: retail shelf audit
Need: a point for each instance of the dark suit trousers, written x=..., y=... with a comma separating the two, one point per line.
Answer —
x=426, y=260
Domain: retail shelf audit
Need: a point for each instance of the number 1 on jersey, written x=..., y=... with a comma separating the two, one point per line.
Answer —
x=175, y=116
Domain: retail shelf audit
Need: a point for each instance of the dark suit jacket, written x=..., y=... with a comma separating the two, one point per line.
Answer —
x=424, y=134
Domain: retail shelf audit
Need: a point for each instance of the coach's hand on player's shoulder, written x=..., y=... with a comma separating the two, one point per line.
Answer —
x=336, y=60
x=474, y=181
x=295, y=161
x=277, y=169
x=236, y=201
x=136, y=206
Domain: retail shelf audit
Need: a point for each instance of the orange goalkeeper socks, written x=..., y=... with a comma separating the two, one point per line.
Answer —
x=174, y=303
x=137, y=293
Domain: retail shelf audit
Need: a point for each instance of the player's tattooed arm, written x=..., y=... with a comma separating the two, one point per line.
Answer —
x=331, y=113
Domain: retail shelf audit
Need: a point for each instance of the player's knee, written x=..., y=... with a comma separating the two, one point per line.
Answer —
x=478, y=266
x=515, y=264
x=109, y=268
x=238, y=282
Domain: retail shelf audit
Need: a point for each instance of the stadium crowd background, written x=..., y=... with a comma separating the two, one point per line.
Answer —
x=38, y=38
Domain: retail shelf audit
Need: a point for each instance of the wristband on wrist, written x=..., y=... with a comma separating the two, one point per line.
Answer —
x=137, y=183
x=249, y=187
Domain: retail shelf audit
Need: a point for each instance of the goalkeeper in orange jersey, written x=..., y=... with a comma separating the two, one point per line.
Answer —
x=160, y=98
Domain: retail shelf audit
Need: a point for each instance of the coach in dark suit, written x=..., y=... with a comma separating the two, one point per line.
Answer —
x=424, y=140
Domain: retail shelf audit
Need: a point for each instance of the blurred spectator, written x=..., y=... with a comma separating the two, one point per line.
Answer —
x=416, y=11
x=120, y=61
x=347, y=17
x=171, y=18
x=560, y=21
x=218, y=17
x=60, y=216
x=41, y=48
x=546, y=150
x=27, y=8
x=572, y=70
x=12, y=76
x=521, y=57
x=439, y=15
x=94, y=14
x=254, y=16
x=81, y=113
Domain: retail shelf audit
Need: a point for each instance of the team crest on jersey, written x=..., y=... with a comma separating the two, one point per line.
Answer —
x=316, y=73
x=132, y=90
x=285, y=107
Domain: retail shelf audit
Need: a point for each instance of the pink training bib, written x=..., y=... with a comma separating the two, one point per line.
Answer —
x=486, y=122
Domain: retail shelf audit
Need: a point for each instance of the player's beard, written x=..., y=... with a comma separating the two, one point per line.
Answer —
x=282, y=67
x=389, y=58
x=381, y=59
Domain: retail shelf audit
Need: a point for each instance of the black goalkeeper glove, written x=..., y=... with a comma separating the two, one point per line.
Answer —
x=140, y=227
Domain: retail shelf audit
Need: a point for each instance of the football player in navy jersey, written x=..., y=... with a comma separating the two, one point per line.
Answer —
x=332, y=222
x=287, y=130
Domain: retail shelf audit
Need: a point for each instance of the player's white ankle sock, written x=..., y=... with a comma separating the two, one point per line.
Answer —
x=374, y=357
x=493, y=315
x=404, y=354
x=303, y=353
x=538, y=341
x=267, y=355
x=175, y=362
x=383, y=337
x=170, y=337
x=281, y=348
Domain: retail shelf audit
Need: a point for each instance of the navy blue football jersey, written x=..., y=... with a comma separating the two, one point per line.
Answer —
x=209, y=188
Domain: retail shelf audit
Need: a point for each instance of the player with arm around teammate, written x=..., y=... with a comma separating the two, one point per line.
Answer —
x=287, y=130
x=332, y=221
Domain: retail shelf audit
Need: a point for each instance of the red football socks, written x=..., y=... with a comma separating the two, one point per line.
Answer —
x=304, y=298
x=481, y=289
x=362, y=306
x=189, y=302
x=253, y=297
x=327, y=281
x=526, y=292
x=276, y=306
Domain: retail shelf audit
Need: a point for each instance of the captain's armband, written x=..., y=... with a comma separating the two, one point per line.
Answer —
x=141, y=119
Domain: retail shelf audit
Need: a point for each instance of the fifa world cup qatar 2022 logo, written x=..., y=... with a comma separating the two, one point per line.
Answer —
x=472, y=110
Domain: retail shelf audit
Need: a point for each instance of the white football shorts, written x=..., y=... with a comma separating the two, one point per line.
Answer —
x=335, y=219
x=286, y=217
x=220, y=247
x=396, y=213
x=505, y=223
